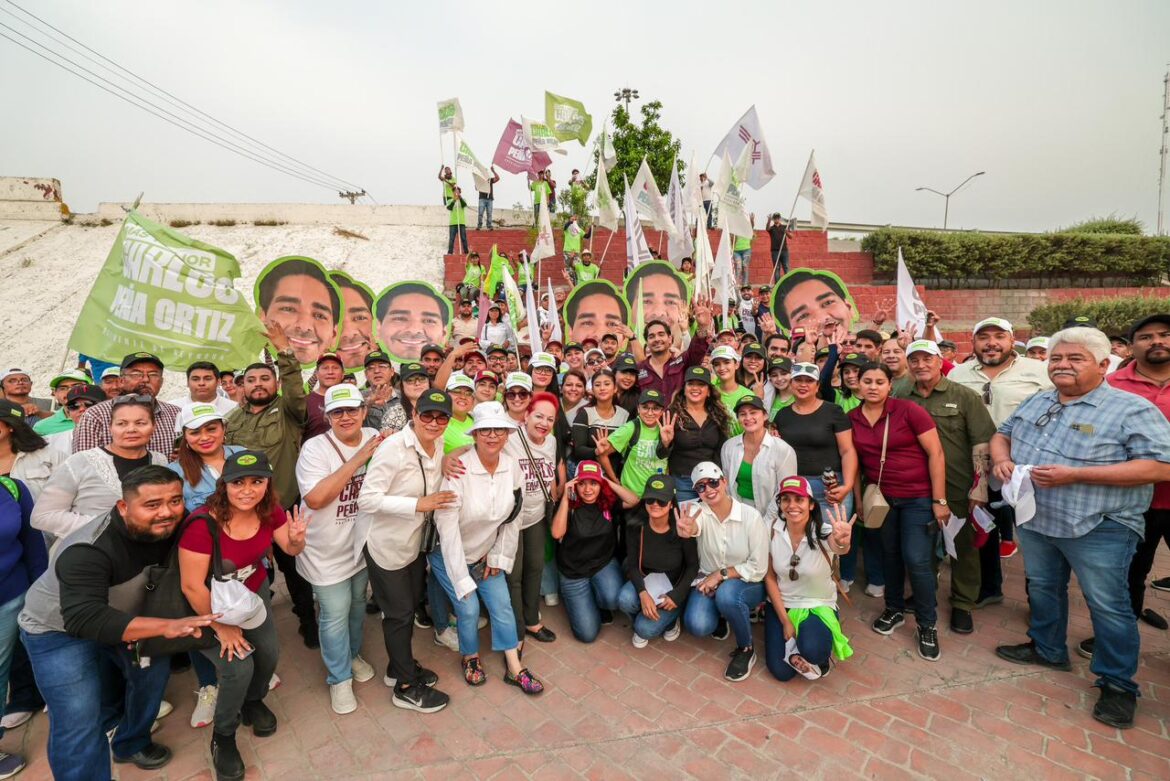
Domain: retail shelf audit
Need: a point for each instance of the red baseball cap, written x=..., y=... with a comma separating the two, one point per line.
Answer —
x=589, y=470
x=796, y=485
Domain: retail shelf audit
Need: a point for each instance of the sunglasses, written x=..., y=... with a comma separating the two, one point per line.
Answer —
x=792, y=564
x=703, y=486
x=133, y=398
x=1052, y=413
x=594, y=362
x=433, y=417
x=76, y=405
x=493, y=432
x=516, y=394
x=987, y=393
x=656, y=502
x=344, y=412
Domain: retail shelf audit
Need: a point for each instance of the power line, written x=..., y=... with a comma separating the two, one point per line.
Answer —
x=164, y=94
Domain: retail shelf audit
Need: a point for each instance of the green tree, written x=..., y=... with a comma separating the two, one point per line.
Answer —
x=632, y=142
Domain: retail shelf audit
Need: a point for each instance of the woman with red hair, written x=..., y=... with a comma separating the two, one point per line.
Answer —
x=586, y=527
x=536, y=448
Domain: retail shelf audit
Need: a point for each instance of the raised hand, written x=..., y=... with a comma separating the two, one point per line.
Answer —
x=686, y=520
x=883, y=311
x=601, y=443
x=767, y=325
x=666, y=427
x=297, y=526
x=276, y=336
x=842, y=525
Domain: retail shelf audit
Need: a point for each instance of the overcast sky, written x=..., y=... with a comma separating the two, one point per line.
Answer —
x=1057, y=100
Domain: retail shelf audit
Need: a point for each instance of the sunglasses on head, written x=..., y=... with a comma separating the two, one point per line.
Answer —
x=133, y=398
x=703, y=486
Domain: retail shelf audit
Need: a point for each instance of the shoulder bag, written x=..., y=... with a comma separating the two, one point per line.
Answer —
x=164, y=599
x=874, y=506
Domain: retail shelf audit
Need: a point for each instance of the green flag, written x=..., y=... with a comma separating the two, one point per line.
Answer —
x=567, y=118
x=496, y=269
x=164, y=293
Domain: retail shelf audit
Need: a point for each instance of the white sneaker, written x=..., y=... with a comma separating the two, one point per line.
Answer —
x=448, y=638
x=482, y=622
x=552, y=600
x=14, y=720
x=204, y=713
x=164, y=709
x=672, y=634
x=274, y=682
x=877, y=592
x=341, y=697
x=846, y=585
x=362, y=670
x=639, y=641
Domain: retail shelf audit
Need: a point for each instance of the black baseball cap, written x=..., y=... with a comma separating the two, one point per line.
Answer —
x=755, y=348
x=134, y=358
x=750, y=401
x=377, y=356
x=651, y=396
x=782, y=363
x=91, y=392
x=659, y=487
x=822, y=353
x=434, y=401
x=432, y=348
x=11, y=411
x=573, y=346
x=697, y=374
x=412, y=369
x=854, y=359
x=246, y=463
x=625, y=363
x=496, y=348
x=947, y=343
x=1163, y=318
x=1120, y=338
x=1080, y=321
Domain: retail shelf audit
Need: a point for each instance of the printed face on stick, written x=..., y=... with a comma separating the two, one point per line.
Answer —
x=593, y=309
x=804, y=298
x=357, y=329
x=297, y=294
x=664, y=294
x=410, y=316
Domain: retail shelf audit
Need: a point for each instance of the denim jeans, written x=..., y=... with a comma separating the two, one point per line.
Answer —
x=9, y=639
x=743, y=263
x=485, y=207
x=813, y=640
x=437, y=602
x=341, y=610
x=494, y=593
x=585, y=598
x=909, y=536
x=630, y=603
x=23, y=696
x=461, y=231
x=684, y=489
x=733, y=600
x=204, y=669
x=871, y=544
x=91, y=688
x=1100, y=560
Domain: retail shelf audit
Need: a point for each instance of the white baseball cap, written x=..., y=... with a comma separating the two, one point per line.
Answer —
x=490, y=414
x=992, y=322
x=706, y=470
x=923, y=346
x=113, y=371
x=4, y=375
x=542, y=361
x=1037, y=341
x=343, y=396
x=460, y=380
x=198, y=414
x=724, y=353
x=518, y=380
x=806, y=370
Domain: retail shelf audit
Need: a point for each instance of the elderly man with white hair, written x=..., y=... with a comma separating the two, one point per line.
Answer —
x=1080, y=461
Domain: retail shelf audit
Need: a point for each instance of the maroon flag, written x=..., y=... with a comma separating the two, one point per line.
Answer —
x=515, y=156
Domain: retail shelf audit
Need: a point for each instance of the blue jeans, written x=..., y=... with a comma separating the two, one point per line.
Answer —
x=1101, y=561
x=437, y=602
x=743, y=263
x=341, y=613
x=485, y=206
x=585, y=598
x=630, y=603
x=204, y=669
x=733, y=600
x=813, y=640
x=461, y=231
x=908, y=537
x=684, y=489
x=91, y=688
x=9, y=637
x=495, y=595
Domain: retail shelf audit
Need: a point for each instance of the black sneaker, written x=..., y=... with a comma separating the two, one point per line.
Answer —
x=742, y=662
x=423, y=699
x=888, y=621
x=152, y=757
x=606, y=617
x=422, y=620
x=1085, y=648
x=256, y=714
x=372, y=608
x=1116, y=707
x=421, y=674
x=928, y=643
x=961, y=621
x=1154, y=619
x=308, y=630
x=1025, y=653
x=1161, y=584
x=225, y=757
x=722, y=630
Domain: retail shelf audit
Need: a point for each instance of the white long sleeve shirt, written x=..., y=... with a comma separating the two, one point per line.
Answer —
x=473, y=527
x=83, y=486
x=775, y=461
x=387, y=521
x=740, y=541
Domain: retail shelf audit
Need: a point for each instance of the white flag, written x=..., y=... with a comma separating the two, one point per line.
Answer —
x=811, y=188
x=747, y=133
x=556, y=334
x=450, y=116
x=680, y=245
x=605, y=150
x=724, y=274
x=540, y=136
x=607, y=208
x=544, y=235
x=530, y=307
x=637, y=251
x=732, y=195
x=649, y=201
x=693, y=193
x=479, y=173
x=910, y=309
x=704, y=261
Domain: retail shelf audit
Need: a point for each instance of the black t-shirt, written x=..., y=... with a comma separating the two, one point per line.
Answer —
x=694, y=444
x=125, y=466
x=589, y=542
x=814, y=437
x=648, y=551
x=776, y=234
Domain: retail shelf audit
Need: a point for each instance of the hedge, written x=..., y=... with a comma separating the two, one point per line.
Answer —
x=1007, y=260
x=1113, y=315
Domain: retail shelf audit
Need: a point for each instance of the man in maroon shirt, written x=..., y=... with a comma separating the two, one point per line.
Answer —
x=662, y=371
x=330, y=372
x=1148, y=376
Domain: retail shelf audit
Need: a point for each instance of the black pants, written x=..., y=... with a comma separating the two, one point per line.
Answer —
x=397, y=592
x=1157, y=530
x=299, y=589
x=524, y=579
x=990, y=569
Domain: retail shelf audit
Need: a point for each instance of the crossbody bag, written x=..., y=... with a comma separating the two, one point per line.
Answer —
x=874, y=506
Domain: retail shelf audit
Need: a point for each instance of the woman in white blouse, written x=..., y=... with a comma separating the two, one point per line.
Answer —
x=90, y=482
x=24, y=454
x=802, y=590
x=478, y=538
x=496, y=330
x=755, y=461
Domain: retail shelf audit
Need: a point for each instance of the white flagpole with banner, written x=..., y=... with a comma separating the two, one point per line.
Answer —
x=812, y=190
x=910, y=310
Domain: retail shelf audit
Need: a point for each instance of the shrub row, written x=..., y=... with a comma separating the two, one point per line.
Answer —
x=1113, y=315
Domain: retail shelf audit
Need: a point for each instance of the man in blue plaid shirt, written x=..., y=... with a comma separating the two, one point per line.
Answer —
x=1095, y=454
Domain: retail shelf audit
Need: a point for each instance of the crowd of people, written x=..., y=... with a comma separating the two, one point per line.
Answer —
x=744, y=476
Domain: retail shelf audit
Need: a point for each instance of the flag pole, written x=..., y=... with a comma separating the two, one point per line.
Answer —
x=784, y=238
x=606, y=250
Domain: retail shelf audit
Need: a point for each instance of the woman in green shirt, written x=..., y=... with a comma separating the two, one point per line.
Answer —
x=458, y=208
x=725, y=364
x=472, y=278
x=640, y=443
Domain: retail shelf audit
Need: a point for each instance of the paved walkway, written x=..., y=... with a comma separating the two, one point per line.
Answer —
x=613, y=712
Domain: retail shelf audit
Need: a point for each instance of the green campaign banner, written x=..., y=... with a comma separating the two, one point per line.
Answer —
x=165, y=293
x=567, y=118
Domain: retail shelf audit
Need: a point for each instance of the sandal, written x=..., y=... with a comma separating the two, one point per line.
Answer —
x=472, y=672
x=525, y=681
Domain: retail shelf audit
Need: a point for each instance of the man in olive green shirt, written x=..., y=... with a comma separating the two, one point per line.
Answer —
x=965, y=430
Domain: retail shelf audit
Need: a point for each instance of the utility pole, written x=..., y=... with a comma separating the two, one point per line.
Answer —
x=1163, y=153
x=351, y=196
x=947, y=196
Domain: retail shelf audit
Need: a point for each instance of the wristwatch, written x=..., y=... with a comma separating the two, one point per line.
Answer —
x=723, y=573
x=940, y=502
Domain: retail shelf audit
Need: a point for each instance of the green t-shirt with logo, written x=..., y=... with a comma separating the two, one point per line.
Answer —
x=573, y=240
x=540, y=190
x=586, y=273
x=642, y=461
x=456, y=435
x=779, y=404
x=729, y=400
x=473, y=275
x=458, y=211
x=846, y=403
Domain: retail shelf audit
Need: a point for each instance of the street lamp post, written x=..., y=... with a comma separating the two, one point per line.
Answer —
x=625, y=94
x=947, y=196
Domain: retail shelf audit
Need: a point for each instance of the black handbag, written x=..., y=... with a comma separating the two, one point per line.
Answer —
x=430, y=535
x=164, y=598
